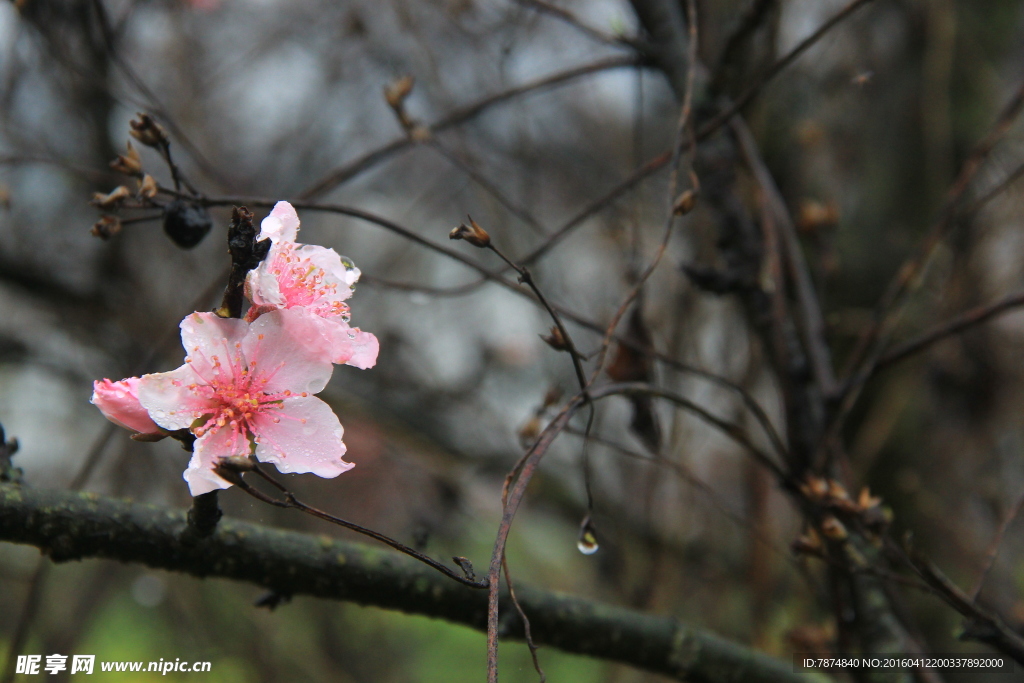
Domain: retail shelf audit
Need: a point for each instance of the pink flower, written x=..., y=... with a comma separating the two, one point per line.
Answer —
x=248, y=388
x=313, y=279
x=119, y=403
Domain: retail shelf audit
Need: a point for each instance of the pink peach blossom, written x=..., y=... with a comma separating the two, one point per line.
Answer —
x=309, y=278
x=248, y=388
x=119, y=403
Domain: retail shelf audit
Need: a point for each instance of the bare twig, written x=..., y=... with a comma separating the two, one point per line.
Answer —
x=981, y=625
x=993, y=547
x=457, y=117
x=685, y=136
x=870, y=345
x=960, y=323
x=527, y=466
x=290, y=501
x=574, y=21
x=810, y=307
x=752, y=91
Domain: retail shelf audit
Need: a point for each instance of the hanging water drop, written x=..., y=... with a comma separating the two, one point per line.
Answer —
x=587, y=543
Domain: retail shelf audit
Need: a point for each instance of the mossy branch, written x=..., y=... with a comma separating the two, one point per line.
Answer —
x=74, y=526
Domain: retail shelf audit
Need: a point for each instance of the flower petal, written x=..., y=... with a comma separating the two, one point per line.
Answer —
x=119, y=403
x=287, y=347
x=350, y=345
x=174, y=399
x=365, y=350
x=303, y=436
x=282, y=225
x=209, y=448
x=334, y=267
x=209, y=343
x=261, y=286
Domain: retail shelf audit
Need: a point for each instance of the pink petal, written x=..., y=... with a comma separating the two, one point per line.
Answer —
x=333, y=266
x=174, y=399
x=366, y=347
x=350, y=345
x=282, y=225
x=119, y=403
x=209, y=340
x=209, y=448
x=261, y=285
x=306, y=437
x=287, y=346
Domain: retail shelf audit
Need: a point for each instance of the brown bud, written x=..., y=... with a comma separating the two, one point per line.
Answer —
x=837, y=491
x=814, y=215
x=397, y=90
x=529, y=432
x=684, y=203
x=129, y=163
x=551, y=397
x=556, y=339
x=808, y=543
x=112, y=200
x=106, y=227
x=866, y=500
x=833, y=529
x=148, y=132
x=815, y=489
x=147, y=187
x=472, y=233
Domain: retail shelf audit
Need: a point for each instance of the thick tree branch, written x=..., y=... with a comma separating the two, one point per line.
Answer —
x=71, y=526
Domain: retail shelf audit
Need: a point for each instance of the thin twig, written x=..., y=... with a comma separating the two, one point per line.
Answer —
x=981, y=625
x=993, y=548
x=870, y=345
x=344, y=173
x=959, y=324
x=527, y=466
x=752, y=91
x=572, y=20
x=526, y=278
x=515, y=209
x=290, y=501
x=813, y=326
x=526, y=622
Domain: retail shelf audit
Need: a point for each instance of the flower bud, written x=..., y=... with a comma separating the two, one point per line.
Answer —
x=808, y=543
x=112, y=200
x=472, y=233
x=186, y=223
x=106, y=227
x=147, y=187
x=148, y=132
x=129, y=163
x=119, y=403
x=552, y=396
x=833, y=529
x=684, y=203
x=397, y=90
x=814, y=488
x=868, y=501
x=556, y=339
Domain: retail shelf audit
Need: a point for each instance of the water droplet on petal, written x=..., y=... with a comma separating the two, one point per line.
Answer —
x=587, y=543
